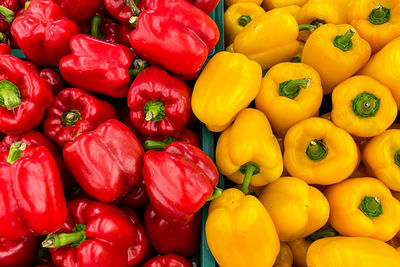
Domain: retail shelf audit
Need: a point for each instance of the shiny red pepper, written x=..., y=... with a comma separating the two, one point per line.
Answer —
x=119, y=10
x=168, y=237
x=32, y=201
x=125, y=30
x=169, y=260
x=24, y=96
x=8, y=9
x=75, y=111
x=53, y=79
x=136, y=197
x=97, y=66
x=104, y=29
x=5, y=49
x=160, y=142
x=18, y=252
x=179, y=180
x=106, y=162
x=43, y=32
x=207, y=6
x=79, y=10
x=159, y=103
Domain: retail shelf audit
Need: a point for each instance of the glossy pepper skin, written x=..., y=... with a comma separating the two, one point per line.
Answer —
x=18, y=252
x=109, y=159
x=97, y=66
x=299, y=249
x=351, y=251
x=105, y=29
x=296, y=208
x=159, y=142
x=179, y=180
x=136, y=197
x=318, y=152
x=232, y=216
x=363, y=106
x=228, y=3
x=119, y=10
x=79, y=10
x=167, y=261
x=247, y=152
x=53, y=78
x=363, y=207
x=32, y=199
x=23, y=98
x=124, y=33
x=7, y=13
x=344, y=57
x=290, y=92
x=159, y=102
x=271, y=4
x=285, y=256
x=75, y=111
x=182, y=48
x=43, y=32
x=228, y=83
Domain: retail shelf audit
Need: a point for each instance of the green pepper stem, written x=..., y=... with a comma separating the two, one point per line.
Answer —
x=365, y=105
x=2, y=37
x=291, y=88
x=15, y=151
x=95, y=27
x=27, y=3
x=322, y=233
x=154, y=110
x=244, y=20
x=248, y=169
x=140, y=65
x=371, y=207
x=132, y=6
x=307, y=27
x=8, y=14
x=318, y=22
x=60, y=240
x=10, y=96
x=316, y=150
x=344, y=42
x=158, y=145
x=71, y=117
x=296, y=59
x=397, y=158
x=379, y=15
x=216, y=194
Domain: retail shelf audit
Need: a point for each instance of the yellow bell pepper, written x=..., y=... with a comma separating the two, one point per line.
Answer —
x=292, y=10
x=248, y=152
x=297, y=57
x=363, y=207
x=228, y=3
x=227, y=85
x=285, y=256
x=336, y=52
x=377, y=21
x=384, y=67
x=363, y=106
x=382, y=156
x=318, y=152
x=290, y=92
x=237, y=16
x=296, y=208
x=229, y=49
x=343, y=251
x=240, y=232
x=271, y=4
x=299, y=249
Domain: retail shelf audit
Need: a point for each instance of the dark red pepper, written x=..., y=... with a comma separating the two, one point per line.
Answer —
x=119, y=10
x=8, y=9
x=104, y=29
x=75, y=111
x=125, y=30
x=207, y=6
x=53, y=79
x=169, y=260
x=124, y=115
x=79, y=10
x=160, y=142
x=18, y=252
x=136, y=197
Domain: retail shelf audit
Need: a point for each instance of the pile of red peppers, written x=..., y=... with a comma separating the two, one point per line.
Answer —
x=100, y=162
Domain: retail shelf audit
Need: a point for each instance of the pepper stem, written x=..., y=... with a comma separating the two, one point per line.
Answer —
x=365, y=105
x=379, y=15
x=139, y=66
x=10, y=96
x=132, y=6
x=397, y=158
x=344, y=42
x=371, y=207
x=318, y=22
x=322, y=233
x=154, y=110
x=307, y=27
x=7, y=13
x=15, y=151
x=2, y=37
x=248, y=169
x=59, y=240
x=216, y=194
x=158, y=145
x=291, y=88
x=244, y=20
x=27, y=3
x=316, y=150
x=95, y=27
x=70, y=117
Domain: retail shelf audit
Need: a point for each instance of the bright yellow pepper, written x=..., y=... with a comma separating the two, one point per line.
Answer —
x=299, y=249
x=384, y=67
x=336, y=52
x=318, y=152
x=227, y=85
x=296, y=208
x=343, y=251
x=377, y=21
x=285, y=256
x=248, y=152
x=237, y=16
x=290, y=92
x=297, y=57
x=240, y=232
x=363, y=106
x=292, y=10
x=228, y=3
x=363, y=207
x=271, y=4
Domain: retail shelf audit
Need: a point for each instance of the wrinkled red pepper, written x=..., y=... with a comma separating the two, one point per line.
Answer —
x=79, y=10
x=75, y=111
x=8, y=9
x=136, y=197
x=105, y=29
x=160, y=142
x=168, y=237
x=53, y=79
x=97, y=66
x=106, y=162
x=179, y=180
x=159, y=103
x=168, y=260
x=43, y=32
x=24, y=96
x=18, y=252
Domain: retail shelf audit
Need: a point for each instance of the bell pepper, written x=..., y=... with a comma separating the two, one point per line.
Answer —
x=233, y=216
x=335, y=49
x=348, y=251
x=361, y=171
x=296, y=208
x=299, y=249
x=159, y=103
x=5, y=49
x=124, y=32
x=228, y=83
x=136, y=198
x=160, y=142
x=106, y=162
x=8, y=9
x=32, y=200
x=271, y=4
x=247, y=152
x=285, y=256
x=167, y=261
x=79, y=10
x=168, y=237
x=97, y=66
x=363, y=106
x=292, y=10
x=104, y=29
x=382, y=156
x=207, y=6
x=237, y=16
x=24, y=96
x=228, y=3
x=53, y=78
x=290, y=92
x=43, y=32
x=179, y=180
x=72, y=112
x=318, y=152
x=183, y=46
x=119, y=10
x=124, y=116
x=18, y=252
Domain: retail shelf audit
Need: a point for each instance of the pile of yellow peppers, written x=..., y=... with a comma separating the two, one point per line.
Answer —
x=317, y=190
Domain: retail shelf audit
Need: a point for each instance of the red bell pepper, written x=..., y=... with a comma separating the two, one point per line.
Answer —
x=119, y=10
x=168, y=237
x=24, y=96
x=159, y=103
x=8, y=9
x=207, y=6
x=53, y=79
x=105, y=29
x=79, y=10
x=182, y=47
x=106, y=162
x=5, y=49
x=75, y=111
x=32, y=200
x=97, y=66
x=18, y=252
x=43, y=32
x=160, y=142
x=179, y=180
x=136, y=197
x=124, y=115
x=125, y=30
x=169, y=260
